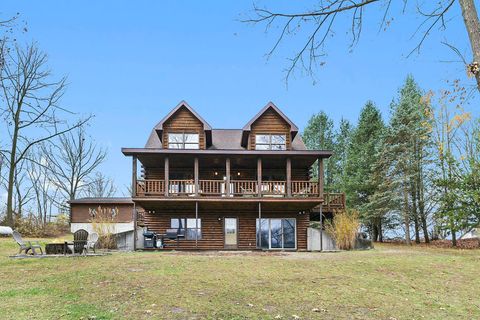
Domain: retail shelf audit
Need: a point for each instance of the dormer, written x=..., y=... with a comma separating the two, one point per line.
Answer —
x=270, y=129
x=184, y=128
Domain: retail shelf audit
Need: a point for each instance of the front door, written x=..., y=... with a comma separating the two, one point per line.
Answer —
x=231, y=233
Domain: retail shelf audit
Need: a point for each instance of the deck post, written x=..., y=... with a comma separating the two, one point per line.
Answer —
x=227, y=177
x=167, y=168
x=260, y=225
x=289, y=177
x=321, y=227
x=134, y=227
x=134, y=176
x=259, y=176
x=320, y=177
x=195, y=175
x=196, y=224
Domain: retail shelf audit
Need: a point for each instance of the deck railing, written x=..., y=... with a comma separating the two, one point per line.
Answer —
x=237, y=188
x=334, y=201
x=304, y=188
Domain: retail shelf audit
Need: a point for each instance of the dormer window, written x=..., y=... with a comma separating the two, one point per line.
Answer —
x=183, y=141
x=270, y=142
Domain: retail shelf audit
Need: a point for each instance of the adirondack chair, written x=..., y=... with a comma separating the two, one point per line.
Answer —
x=91, y=242
x=26, y=245
x=80, y=239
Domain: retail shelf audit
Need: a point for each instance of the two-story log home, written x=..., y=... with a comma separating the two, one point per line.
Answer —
x=244, y=189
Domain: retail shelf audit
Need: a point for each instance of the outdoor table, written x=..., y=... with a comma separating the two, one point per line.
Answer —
x=57, y=248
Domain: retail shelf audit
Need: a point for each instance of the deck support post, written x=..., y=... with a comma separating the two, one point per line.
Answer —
x=259, y=177
x=320, y=177
x=289, y=177
x=321, y=227
x=227, y=177
x=167, y=169
x=134, y=176
x=196, y=224
x=260, y=225
x=195, y=175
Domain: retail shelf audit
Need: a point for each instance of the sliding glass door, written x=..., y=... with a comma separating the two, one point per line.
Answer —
x=276, y=233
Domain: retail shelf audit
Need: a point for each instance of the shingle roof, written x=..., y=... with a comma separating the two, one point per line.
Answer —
x=119, y=200
x=223, y=139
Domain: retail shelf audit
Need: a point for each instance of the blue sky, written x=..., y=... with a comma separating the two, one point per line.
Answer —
x=130, y=62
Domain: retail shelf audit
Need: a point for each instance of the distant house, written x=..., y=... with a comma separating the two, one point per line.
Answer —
x=202, y=188
x=472, y=234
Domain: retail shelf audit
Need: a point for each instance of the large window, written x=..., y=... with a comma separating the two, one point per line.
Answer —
x=276, y=233
x=183, y=141
x=270, y=142
x=191, y=228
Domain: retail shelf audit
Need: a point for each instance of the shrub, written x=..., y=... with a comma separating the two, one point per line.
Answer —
x=33, y=227
x=103, y=225
x=344, y=229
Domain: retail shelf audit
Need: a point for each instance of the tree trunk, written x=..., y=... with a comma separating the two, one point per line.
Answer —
x=470, y=18
x=454, y=237
x=406, y=215
x=380, y=232
x=374, y=231
x=11, y=174
x=415, y=212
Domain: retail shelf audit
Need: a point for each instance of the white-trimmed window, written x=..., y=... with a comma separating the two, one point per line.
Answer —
x=270, y=142
x=183, y=141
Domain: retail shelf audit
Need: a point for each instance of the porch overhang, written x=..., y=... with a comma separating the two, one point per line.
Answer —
x=236, y=204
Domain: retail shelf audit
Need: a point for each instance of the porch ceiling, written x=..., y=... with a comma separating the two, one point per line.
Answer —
x=229, y=205
x=218, y=160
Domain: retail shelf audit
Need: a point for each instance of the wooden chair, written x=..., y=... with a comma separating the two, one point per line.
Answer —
x=91, y=242
x=80, y=239
x=26, y=245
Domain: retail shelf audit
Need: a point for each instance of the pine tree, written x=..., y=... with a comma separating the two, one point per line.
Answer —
x=360, y=184
x=407, y=140
x=319, y=135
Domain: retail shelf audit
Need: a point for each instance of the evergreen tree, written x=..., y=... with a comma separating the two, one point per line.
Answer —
x=362, y=153
x=341, y=144
x=407, y=140
x=319, y=135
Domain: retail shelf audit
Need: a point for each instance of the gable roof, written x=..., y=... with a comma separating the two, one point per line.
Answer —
x=246, y=129
x=223, y=139
x=183, y=104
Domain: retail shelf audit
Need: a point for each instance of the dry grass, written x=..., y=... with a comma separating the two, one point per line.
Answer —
x=344, y=229
x=390, y=282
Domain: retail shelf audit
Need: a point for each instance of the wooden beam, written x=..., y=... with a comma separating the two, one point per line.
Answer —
x=320, y=177
x=259, y=176
x=134, y=176
x=227, y=180
x=167, y=170
x=195, y=174
x=260, y=224
x=196, y=224
x=289, y=177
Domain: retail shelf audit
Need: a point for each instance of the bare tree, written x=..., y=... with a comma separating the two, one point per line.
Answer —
x=72, y=159
x=319, y=24
x=100, y=186
x=44, y=190
x=22, y=192
x=30, y=107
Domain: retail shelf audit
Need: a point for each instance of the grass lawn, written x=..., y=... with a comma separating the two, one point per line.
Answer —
x=390, y=282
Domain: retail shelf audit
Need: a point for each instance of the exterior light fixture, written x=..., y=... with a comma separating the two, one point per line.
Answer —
x=238, y=173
